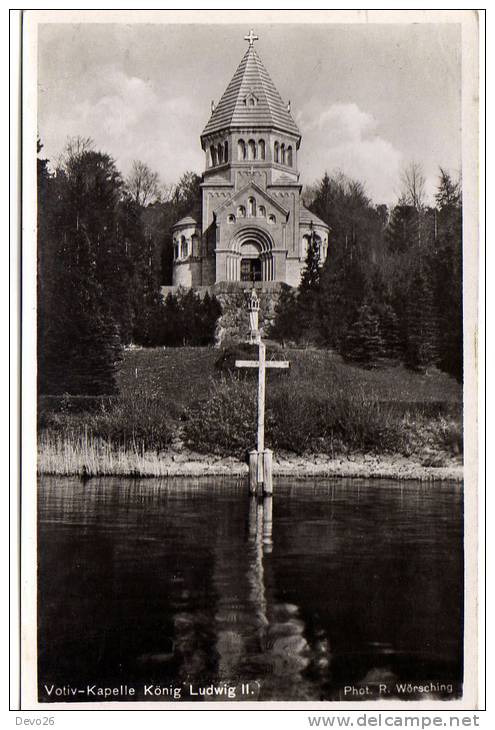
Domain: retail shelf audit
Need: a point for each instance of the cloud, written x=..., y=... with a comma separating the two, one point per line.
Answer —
x=129, y=118
x=132, y=118
x=345, y=137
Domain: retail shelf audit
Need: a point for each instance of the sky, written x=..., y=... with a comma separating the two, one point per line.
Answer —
x=368, y=98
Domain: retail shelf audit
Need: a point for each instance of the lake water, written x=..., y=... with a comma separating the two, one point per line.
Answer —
x=193, y=590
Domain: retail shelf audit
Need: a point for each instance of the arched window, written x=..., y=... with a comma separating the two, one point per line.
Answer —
x=176, y=249
x=272, y=219
x=261, y=147
x=305, y=244
x=276, y=155
x=251, y=149
x=241, y=150
x=220, y=153
x=318, y=244
x=231, y=218
x=183, y=247
x=226, y=151
x=261, y=211
x=251, y=101
x=289, y=156
x=282, y=154
x=213, y=155
x=251, y=206
x=241, y=212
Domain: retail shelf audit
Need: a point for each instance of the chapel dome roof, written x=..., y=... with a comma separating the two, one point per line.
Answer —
x=187, y=221
x=251, y=100
x=307, y=217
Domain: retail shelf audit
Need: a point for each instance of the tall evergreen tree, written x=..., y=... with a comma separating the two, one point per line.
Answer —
x=421, y=349
x=43, y=259
x=286, y=327
x=448, y=274
x=306, y=309
x=364, y=342
x=81, y=338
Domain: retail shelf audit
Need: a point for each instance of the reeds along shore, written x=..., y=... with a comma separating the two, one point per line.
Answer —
x=88, y=457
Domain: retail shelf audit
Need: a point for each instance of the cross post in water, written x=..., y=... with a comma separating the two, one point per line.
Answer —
x=260, y=460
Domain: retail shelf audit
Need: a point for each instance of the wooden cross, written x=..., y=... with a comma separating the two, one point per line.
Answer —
x=251, y=38
x=262, y=365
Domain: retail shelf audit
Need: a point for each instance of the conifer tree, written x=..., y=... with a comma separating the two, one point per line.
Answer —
x=364, y=342
x=421, y=322
x=210, y=311
x=308, y=291
x=285, y=326
x=81, y=337
x=389, y=327
x=448, y=274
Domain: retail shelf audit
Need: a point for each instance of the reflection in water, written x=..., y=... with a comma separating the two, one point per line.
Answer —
x=329, y=584
x=256, y=636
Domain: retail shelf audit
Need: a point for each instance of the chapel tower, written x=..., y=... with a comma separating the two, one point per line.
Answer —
x=254, y=225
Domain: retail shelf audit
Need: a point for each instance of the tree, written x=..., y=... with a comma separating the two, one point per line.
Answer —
x=43, y=258
x=401, y=233
x=448, y=195
x=186, y=196
x=142, y=184
x=413, y=186
x=285, y=327
x=447, y=266
x=306, y=313
x=210, y=311
x=355, y=241
x=421, y=348
x=364, y=342
x=83, y=294
x=310, y=277
x=390, y=329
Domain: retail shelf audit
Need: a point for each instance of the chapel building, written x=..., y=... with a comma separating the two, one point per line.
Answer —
x=254, y=226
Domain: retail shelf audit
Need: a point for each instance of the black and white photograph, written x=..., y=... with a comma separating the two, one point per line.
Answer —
x=250, y=311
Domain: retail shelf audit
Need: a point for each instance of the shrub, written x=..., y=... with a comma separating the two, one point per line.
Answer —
x=138, y=420
x=298, y=418
x=225, y=422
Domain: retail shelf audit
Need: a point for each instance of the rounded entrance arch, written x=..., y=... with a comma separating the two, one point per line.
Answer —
x=250, y=261
x=250, y=257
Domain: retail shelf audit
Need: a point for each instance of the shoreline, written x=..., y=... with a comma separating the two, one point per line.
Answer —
x=107, y=462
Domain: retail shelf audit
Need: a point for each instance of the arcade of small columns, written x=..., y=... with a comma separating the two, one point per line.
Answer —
x=250, y=150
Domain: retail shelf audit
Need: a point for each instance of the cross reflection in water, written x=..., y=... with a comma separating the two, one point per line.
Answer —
x=260, y=637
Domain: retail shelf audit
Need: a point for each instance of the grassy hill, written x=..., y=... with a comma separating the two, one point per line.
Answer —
x=177, y=399
x=185, y=374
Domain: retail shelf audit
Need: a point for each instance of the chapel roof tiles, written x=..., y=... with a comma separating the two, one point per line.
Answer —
x=307, y=217
x=251, y=81
x=187, y=221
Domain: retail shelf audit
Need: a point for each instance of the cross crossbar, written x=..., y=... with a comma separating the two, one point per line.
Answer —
x=261, y=364
x=256, y=364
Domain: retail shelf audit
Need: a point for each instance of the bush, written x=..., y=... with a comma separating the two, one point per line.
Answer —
x=298, y=418
x=306, y=420
x=137, y=420
x=225, y=422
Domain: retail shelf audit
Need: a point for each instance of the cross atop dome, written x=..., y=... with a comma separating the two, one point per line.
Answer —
x=251, y=100
x=251, y=38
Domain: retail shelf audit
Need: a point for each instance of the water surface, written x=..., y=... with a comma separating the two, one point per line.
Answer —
x=341, y=589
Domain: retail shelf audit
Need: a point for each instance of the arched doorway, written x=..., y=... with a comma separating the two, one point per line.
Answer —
x=250, y=261
x=250, y=257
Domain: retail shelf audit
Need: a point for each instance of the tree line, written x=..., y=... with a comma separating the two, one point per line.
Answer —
x=104, y=246
x=391, y=287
